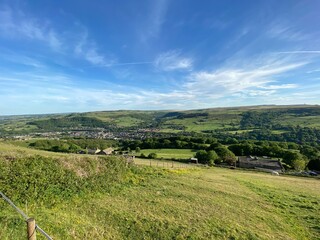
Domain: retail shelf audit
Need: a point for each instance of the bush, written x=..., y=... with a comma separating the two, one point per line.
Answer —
x=152, y=155
x=207, y=157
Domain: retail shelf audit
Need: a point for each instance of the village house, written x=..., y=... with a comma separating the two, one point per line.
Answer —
x=107, y=151
x=93, y=151
x=255, y=162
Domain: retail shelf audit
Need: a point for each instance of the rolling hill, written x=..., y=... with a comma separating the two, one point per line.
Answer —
x=280, y=123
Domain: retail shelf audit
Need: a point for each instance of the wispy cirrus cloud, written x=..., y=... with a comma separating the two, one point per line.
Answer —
x=155, y=20
x=300, y=52
x=172, y=60
x=16, y=24
x=87, y=49
x=284, y=31
x=260, y=79
x=220, y=87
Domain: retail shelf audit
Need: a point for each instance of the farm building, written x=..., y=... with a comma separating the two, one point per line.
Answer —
x=259, y=163
x=194, y=160
x=107, y=151
x=93, y=151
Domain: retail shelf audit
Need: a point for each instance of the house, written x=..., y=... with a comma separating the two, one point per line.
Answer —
x=255, y=162
x=93, y=151
x=194, y=160
x=107, y=151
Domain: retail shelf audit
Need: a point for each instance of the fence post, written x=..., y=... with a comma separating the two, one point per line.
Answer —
x=31, y=228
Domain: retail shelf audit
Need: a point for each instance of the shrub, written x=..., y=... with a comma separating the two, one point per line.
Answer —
x=152, y=155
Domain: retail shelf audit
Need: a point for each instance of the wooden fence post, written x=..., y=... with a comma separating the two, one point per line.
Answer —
x=31, y=228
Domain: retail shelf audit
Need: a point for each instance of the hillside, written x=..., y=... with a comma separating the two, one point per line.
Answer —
x=300, y=124
x=76, y=197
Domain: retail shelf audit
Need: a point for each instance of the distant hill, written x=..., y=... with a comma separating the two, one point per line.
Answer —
x=276, y=120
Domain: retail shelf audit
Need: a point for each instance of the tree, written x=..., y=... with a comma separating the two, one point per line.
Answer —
x=202, y=156
x=299, y=164
x=137, y=149
x=152, y=155
x=212, y=157
x=314, y=164
x=226, y=155
x=289, y=157
x=207, y=157
x=294, y=159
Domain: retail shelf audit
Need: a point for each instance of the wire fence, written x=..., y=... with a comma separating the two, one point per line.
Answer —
x=162, y=163
x=24, y=215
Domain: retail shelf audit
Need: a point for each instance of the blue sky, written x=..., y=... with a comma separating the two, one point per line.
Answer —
x=75, y=56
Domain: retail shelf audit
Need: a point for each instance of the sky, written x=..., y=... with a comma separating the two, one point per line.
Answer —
x=79, y=56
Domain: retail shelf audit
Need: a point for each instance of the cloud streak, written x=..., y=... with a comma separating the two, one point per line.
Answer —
x=155, y=20
x=172, y=60
x=15, y=24
x=301, y=52
x=228, y=81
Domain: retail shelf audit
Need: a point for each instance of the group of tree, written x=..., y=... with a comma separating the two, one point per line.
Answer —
x=68, y=122
x=72, y=145
x=210, y=150
x=179, y=142
x=217, y=155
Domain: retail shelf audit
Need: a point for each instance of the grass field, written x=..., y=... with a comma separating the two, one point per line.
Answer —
x=166, y=164
x=203, y=204
x=156, y=203
x=167, y=153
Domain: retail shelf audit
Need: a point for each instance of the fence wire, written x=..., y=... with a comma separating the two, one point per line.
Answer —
x=24, y=215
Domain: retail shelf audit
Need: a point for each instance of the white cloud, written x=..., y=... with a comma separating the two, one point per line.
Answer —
x=281, y=86
x=15, y=24
x=302, y=52
x=87, y=49
x=155, y=20
x=227, y=81
x=172, y=60
x=283, y=31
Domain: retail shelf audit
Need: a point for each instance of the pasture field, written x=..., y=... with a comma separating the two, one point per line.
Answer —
x=306, y=121
x=168, y=153
x=97, y=200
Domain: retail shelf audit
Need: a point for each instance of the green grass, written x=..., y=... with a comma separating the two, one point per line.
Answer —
x=198, y=124
x=166, y=164
x=305, y=121
x=127, y=121
x=152, y=203
x=195, y=204
x=168, y=153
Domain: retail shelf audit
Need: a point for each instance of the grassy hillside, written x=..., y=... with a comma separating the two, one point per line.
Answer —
x=229, y=119
x=75, y=197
